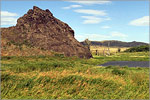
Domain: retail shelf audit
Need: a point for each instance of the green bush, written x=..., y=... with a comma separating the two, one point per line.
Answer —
x=58, y=64
x=109, y=67
x=112, y=67
x=6, y=58
x=142, y=48
x=125, y=67
x=59, y=55
x=119, y=72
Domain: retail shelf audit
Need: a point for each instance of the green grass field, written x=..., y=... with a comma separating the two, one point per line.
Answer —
x=58, y=77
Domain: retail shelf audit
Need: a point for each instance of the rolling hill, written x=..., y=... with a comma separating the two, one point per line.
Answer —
x=115, y=43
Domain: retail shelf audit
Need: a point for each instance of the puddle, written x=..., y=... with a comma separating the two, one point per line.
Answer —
x=127, y=63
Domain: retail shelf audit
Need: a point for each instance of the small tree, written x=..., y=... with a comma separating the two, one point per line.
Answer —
x=108, y=51
x=87, y=43
x=119, y=49
x=96, y=53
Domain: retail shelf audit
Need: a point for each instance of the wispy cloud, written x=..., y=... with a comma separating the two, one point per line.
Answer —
x=144, y=21
x=98, y=37
x=105, y=27
x=72, y=6
x=7, y=14
x=96, y=16
x=91, y=12
x=92, y=2
x=8, y=18
x=8, y=21
x=91, y=37
x=118, y=34
x=92, y=19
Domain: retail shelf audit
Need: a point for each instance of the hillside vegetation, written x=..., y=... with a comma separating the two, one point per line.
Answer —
x=101, y=49
x=59, y=77
x=143, y=48
x=116, y=43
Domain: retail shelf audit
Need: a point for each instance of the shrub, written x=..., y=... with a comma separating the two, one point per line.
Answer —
x=59, y=55
x=119, y=72
x=8, y=43
x=109, y=67
x=126, y=67
x=138, y=49
x=58, y=64
x=112, y=67
x=6, y=58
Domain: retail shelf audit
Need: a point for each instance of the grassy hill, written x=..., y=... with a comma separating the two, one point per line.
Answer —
x=115, y=43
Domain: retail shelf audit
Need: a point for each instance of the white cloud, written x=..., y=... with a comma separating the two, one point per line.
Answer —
x=93, y=19
x=91, y=12
x=92, y=2
x=7, y=14
x=144, y=21
x=8, y=21
x=95, y=16
x=8, y=18
x=72, y=6
x=118, y=34
x=92, y=37
x=98, y=36
x=105, y=27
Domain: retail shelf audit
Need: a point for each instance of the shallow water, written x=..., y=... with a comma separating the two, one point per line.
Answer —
x=127, y=63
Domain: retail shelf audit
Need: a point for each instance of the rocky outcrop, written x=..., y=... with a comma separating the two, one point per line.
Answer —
x=39, y=28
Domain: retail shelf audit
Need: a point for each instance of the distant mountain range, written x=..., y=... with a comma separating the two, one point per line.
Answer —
x=115, y=43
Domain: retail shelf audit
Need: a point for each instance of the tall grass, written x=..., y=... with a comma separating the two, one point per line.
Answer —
x=57, y=77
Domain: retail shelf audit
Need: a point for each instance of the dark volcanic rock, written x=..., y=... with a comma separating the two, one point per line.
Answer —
x=41, y=29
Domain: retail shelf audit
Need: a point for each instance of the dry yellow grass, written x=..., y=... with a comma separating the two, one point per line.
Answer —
x=80, y=80
x=64, y=73
x=100, y=49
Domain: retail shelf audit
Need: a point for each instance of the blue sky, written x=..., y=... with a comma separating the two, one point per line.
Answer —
x=95, y=20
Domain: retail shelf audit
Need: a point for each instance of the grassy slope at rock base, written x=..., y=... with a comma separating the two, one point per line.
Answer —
x=47, y=77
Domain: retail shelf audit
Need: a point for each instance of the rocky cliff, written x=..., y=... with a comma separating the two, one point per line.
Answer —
x=39, y=28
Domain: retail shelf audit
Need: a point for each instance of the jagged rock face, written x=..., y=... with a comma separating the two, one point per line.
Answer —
x=41, y=29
